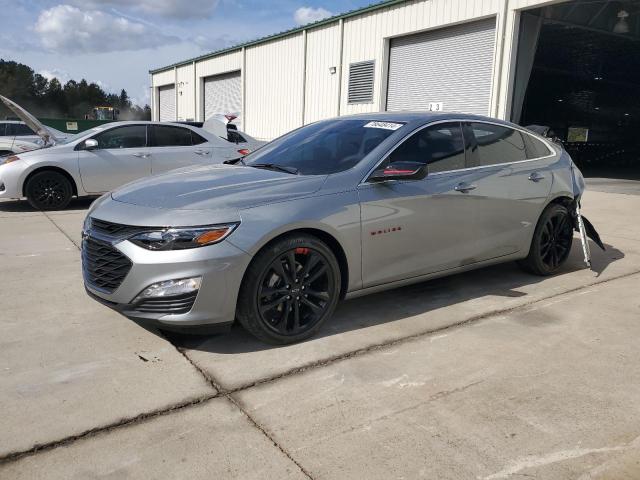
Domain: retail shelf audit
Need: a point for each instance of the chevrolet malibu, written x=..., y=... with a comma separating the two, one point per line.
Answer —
x=336, y=209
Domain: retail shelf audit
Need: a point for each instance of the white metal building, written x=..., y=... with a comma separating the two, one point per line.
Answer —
x=476, y=56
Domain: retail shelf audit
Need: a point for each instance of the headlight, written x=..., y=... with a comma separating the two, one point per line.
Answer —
x=182, y=238
x=10, y=158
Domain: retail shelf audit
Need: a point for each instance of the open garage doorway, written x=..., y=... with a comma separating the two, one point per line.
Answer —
x=578, y=72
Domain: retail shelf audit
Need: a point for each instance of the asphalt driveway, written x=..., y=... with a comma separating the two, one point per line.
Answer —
x=490, y=374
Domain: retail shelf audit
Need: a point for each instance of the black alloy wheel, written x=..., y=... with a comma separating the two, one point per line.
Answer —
x=49, y=190
x=293, y=288
x=552, y=241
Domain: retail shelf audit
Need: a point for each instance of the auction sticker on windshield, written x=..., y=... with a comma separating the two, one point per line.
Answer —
x=385, y=125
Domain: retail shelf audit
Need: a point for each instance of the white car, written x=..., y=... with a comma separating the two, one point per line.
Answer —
x=16, y=131
x=105, y=157
x=9, y=146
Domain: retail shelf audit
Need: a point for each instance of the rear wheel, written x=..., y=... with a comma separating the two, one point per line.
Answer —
x=551, y=242
x=290, y=289
x=49, y=190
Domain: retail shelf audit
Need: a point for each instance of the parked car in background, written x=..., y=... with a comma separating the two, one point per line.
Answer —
x=339, y=208
x=105, y=157
x=11, y=130
x=9, y=146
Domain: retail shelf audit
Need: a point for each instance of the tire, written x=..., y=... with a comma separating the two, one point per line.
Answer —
x=280, y=308
x=551, y=243
x=49, y=190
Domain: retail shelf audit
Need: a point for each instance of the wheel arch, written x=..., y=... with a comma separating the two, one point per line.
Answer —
x=50, y=168
x=330, y=240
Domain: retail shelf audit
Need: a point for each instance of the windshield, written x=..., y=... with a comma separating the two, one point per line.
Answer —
x=325, y=147
x=77, y=136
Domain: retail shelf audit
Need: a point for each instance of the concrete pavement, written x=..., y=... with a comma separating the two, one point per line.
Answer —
x=431, y=379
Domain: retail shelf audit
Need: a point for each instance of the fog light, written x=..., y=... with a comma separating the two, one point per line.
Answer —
x=170, y=288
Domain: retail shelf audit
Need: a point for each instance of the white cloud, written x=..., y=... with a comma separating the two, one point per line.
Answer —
x=305, y=15
x=68, y=29
x=164, y=8
x=62, y=76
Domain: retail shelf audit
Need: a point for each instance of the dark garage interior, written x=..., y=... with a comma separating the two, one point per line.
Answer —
x=578, y=72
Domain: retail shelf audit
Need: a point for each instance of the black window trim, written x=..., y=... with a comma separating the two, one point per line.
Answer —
x=462, y=121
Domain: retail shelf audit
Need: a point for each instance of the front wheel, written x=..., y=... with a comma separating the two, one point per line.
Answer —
x=551, y=242
x=49, y=190
x=290, y=289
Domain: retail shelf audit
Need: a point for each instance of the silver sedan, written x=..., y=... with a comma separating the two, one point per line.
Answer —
x=340, y=208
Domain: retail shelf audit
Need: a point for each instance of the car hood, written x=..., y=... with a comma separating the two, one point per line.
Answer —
x=217, y=187
x=32, y=122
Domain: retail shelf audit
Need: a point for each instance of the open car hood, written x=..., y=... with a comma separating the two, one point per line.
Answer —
x=32, y=122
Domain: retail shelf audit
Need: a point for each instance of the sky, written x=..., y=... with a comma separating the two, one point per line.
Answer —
x=115, y=43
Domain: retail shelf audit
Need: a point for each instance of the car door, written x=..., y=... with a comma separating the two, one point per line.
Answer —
x=411, y=228
x=509, y=186
x=175, y=147
x=121, y=156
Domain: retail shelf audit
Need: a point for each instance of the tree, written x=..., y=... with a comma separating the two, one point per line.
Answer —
x=49, y=98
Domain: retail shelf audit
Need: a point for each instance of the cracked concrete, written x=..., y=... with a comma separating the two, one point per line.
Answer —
x=429, y=380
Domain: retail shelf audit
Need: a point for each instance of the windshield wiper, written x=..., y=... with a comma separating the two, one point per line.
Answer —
x=273, y=166
x=233, y=161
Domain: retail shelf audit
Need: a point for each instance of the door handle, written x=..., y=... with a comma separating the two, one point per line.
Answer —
x=465, y=187
x=141, y=155
x=202, y=152
x=536, y=177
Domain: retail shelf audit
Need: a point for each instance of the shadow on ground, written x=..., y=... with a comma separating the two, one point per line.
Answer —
x=19, y=206
x=504, y=280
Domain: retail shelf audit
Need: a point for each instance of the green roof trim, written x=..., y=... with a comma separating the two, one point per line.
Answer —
x=319, y=23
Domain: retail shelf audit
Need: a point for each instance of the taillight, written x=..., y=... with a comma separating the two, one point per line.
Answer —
x=244, y=151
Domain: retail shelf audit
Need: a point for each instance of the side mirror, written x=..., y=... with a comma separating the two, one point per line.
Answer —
x=90, y=144
x=400, y=171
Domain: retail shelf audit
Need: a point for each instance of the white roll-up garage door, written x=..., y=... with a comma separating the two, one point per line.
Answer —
x=167, y=103
x=449, y=66
x=223, y=94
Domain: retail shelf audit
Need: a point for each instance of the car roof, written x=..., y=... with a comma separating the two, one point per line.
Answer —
x=422, y=117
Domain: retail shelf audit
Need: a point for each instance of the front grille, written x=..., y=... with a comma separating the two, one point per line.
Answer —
x=103, y=266
x=168, y=305
x=115, y=229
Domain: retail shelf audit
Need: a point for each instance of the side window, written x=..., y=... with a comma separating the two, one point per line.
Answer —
x=130, y=136
x=3, y=129
x=535, y=148
x=168, y=136
x=496, y=144
x=196, y=139
x=440, y=146
x=19, y=130
x=234, y=137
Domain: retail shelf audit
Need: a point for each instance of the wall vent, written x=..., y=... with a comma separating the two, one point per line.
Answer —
x=361, y=76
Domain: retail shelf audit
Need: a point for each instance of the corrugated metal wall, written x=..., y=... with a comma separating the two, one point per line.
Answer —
x=275, y=70
x=186, y=89
x=273, y=87
x=323, y=53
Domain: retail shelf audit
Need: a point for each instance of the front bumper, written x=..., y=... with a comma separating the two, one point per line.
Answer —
x=221, y=267
x=10, y=180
